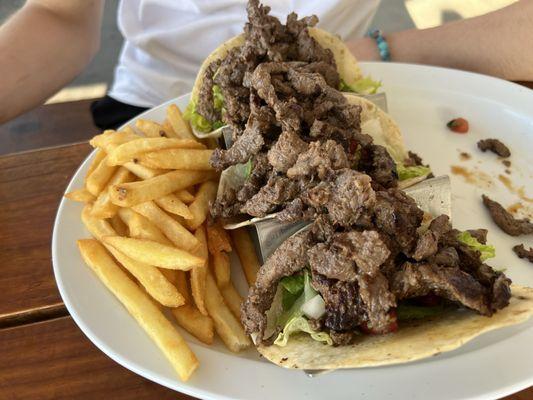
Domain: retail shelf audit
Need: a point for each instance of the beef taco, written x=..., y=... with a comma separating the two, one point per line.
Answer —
x=370, y=281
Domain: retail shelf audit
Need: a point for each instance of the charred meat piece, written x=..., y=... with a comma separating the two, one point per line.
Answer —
x=344, y=308
x=226, y=206
x=495, y=146
x=479, y=234
x=521, y=252
x=257, y=178
x=414, y=280
x=285, y=151
x=320, y=160
x=277, y=191
x=428, y=243
x=446, y=256
x=504, y=219
x=288, y=259
x=377, y=162
x=346, y=198
x=397, y=215
x=341, y=338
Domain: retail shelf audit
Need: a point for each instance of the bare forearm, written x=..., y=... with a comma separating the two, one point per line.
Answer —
x=43, y=48
x=498, y=43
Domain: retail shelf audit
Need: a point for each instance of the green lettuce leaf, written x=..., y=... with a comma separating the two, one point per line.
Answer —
x=487, y=251
x=200, y=123
x=293, y=302
x=248, y=169
x=408, y=311
x=411, y=172
x=364, y=85
x=301, y=324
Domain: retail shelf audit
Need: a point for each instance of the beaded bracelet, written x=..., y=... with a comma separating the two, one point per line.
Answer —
x=383, y=46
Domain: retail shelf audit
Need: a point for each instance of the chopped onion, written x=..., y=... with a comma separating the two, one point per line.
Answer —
x=315, y=307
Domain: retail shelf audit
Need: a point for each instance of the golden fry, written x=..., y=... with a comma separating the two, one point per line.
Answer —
x=189, y=317
x=153, y=253
x=246, y=252
x=172, y=229
x=134, y=149
x=97, y=159
x=140, y=307
x=200, y=206
x=172, y=204
x=227, y=325
x=152, y=279
x=198, y=274
x=132, y=193
x=150, y=128
x=232, y=298
x=218, y=239
x=81, y=195
x=174, y=158
x=103, y=207
x=96, y=227
x=98, y=179
x=179, y=125
x=221, y=268
x=120, y=227
x=185, y=196
x=111, y=139
x=141, y=228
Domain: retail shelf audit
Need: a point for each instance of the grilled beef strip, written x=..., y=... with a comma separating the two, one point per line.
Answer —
x=505, y=220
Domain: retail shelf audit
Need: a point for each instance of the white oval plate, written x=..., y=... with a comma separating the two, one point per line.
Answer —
x=422, y=99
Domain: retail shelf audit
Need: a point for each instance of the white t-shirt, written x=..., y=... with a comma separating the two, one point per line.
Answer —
x=167, y=40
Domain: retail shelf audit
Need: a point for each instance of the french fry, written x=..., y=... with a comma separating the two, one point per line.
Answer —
x=185, y=196
x=232, y=298
x=129, y=151
x=221, y=268
x=172, y=229
x=109, y=139
x=98, y=179
x=153, y=253
x=174, y=158
x=81, y=195
x=143, y=172
x=132, y=193
x=103, y=207
x=189, y=317
x=167, y=127
x=246, y=252
x=151, y=319
x=152, y=279
x=218, y=239
x=200, y=206
x=227, y=325
x=172, y=204
x=141, y=228
x=150, y=128
x=120, y=227
x=179, y=125
x=169, y=274
x=96, y=227
x=99, y=156
x=198, y=274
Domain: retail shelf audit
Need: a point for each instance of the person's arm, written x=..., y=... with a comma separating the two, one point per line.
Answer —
x=44, y=46
x=499, y=43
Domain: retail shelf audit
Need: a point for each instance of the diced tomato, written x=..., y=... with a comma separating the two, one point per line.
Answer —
x=458, y=125
x=392, y=327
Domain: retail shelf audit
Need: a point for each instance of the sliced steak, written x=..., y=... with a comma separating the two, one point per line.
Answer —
x=428, y=243
x=286, y=150
x=521, y=252
x=377, y=162
x=320, y=160
x=495, y=146
x=446, y=256
x=504, y=219
x=414, y=280
x=277, y=191
x=286, y=260
x=479, y=234
x=257, y=178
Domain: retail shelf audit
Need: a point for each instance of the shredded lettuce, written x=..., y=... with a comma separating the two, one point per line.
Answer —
x=292, y=288
x=411, y=172
x=293, y=302
x=300, y=324
x=200, y=123
x=409, y=311
x=487, y=251
x=364, y=85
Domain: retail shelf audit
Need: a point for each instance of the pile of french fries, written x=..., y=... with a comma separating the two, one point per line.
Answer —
x=147, y=194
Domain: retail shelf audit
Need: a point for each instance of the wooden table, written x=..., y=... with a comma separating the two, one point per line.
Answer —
x=43, y=354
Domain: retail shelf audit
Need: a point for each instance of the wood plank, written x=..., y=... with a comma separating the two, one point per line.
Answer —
x=54, y=360
x=48, y=125
x=31, y=185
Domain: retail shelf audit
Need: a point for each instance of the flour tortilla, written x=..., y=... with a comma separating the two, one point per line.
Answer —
x=414, y=340
x=347, y=66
